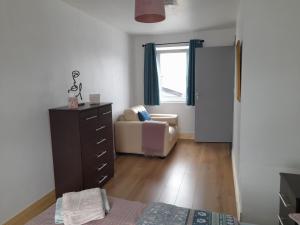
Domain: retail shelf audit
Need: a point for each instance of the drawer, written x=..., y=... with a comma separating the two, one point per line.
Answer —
x=104, y=131
x=285, y=203
x=286, y=195
x=98, y=169
x=102, y=180
x=97, y=146
x=105, y=115
x=97, y=178
x=103, y=144
x=282, y=220
x=104, y=176
x=284, y=213
x=94, y=161
x=89, y=118
x=95, y=132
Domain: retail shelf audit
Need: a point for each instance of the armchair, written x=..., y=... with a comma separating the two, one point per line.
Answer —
x=128, y=131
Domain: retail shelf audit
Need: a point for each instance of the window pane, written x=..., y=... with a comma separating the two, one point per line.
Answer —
x=173, y=70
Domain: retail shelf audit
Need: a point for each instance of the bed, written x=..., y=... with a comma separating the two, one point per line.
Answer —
x=125, y=212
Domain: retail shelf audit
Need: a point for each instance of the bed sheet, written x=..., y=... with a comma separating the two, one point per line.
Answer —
x=122, y=212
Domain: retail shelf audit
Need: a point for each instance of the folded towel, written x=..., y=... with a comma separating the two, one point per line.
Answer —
x=58, y=207
x=58, y=214
x=105, y=201
x=82, y=207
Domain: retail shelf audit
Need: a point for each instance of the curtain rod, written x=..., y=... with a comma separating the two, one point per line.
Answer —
x=173, y=43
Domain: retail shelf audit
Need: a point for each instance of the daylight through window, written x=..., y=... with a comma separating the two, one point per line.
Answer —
x=172, y=66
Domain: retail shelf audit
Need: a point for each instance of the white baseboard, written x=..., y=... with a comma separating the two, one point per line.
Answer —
x=186, y=136
x=236, y=188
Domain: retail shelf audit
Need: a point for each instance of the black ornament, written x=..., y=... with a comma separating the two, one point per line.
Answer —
x=75, y=87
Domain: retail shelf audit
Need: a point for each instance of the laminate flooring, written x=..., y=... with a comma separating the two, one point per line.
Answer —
x=193, y=175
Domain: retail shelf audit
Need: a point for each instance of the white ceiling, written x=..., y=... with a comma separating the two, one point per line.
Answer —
x=188, y=15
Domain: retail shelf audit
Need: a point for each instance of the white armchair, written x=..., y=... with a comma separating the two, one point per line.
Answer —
x=128, y=131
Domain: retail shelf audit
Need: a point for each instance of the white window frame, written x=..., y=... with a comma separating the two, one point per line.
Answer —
x=171, y=49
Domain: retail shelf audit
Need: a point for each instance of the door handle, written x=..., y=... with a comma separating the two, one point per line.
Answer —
x=197, y=95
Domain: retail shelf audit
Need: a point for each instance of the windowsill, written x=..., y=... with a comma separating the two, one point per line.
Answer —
x=170, y=102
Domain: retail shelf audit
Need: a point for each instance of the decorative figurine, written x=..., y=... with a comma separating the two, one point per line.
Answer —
x=75, y=91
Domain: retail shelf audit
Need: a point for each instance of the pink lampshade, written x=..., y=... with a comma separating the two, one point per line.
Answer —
x=149, y=11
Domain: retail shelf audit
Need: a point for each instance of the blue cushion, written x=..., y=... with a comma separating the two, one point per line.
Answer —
x=144, y=115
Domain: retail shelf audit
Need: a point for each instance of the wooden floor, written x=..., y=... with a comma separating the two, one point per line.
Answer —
x=194, y=175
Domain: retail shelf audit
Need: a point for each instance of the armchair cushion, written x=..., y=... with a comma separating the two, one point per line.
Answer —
x=131, y=114
x=144, y=116
x=171, y=119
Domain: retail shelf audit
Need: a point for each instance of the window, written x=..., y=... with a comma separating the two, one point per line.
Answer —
x=172, y=66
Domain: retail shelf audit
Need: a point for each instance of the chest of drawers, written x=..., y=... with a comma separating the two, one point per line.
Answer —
x=289, y=196
x=82, y=147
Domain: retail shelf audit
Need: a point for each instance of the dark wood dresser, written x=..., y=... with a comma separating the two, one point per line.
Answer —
x=82, y=146
x=289, y=197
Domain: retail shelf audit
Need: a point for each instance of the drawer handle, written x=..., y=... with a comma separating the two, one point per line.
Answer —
x=100, y=128
x=105, y=113
x=103, y=179
x=284, y=201
x=281, y=220
x=101, y=167
x=99, y=142
x=101, y=154
x=90, y=118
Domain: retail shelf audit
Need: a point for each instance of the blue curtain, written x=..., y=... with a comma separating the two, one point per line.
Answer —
x=151, y=85
x=191, y=71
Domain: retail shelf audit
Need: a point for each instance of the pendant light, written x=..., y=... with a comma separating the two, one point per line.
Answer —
x=149, y=11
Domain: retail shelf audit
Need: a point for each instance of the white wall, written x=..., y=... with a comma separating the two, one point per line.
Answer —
x=270, y=109
x=237, y=121
x=41, y=42
x=221, y=37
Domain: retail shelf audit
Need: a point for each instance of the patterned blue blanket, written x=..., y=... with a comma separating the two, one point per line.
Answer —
x=165, y=214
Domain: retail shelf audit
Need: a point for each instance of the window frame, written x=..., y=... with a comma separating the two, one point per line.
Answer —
x=172, y=49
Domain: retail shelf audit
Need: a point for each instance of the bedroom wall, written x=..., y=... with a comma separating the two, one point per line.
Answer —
x=237, y=121
x=270, y=108
x=213, y=37
x=41, y=42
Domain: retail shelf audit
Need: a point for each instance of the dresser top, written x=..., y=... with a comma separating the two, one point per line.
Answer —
x=86, y=106
x=293, y=181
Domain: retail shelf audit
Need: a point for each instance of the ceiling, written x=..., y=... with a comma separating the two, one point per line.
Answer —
x=188, y=15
